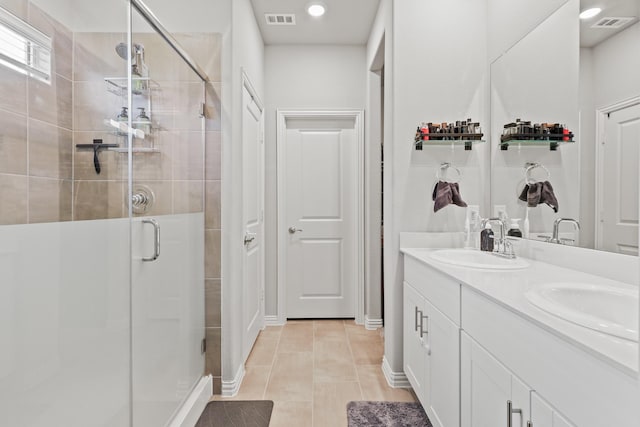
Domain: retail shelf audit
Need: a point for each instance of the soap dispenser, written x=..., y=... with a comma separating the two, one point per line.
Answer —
x=486, y=239
x=514, y=228
x=143, y=122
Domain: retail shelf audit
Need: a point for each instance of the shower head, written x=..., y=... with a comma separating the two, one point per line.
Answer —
x=122, y=49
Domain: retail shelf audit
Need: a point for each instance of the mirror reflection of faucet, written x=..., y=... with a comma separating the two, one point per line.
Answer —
x=555, y=237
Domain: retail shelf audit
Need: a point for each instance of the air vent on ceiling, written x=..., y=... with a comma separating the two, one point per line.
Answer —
x=612, y=22
x=280, y=18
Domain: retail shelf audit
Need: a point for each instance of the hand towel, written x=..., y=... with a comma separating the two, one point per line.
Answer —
x=537, y=193
x=445, y=193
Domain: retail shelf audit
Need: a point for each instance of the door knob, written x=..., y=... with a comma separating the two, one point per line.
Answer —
x=293, y=230
x=249, y=237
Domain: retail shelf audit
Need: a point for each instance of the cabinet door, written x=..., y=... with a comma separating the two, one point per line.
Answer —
x=414, y=354
x=543, y=415
x=442, y=345
x=487, y=387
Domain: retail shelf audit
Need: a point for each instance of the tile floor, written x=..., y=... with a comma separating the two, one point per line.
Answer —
x=311, y=369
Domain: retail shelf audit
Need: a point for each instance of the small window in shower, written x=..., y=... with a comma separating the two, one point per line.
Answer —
x=23, y=48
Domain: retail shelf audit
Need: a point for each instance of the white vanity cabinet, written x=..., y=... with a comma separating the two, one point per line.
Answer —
x=492, y=395
x=472, y=350
x=568, y=386
x=431, y=341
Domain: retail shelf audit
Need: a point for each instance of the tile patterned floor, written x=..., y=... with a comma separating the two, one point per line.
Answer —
x=311, y=369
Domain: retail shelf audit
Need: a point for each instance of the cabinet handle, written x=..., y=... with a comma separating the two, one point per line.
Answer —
x=510, y=412
x=426, y=343
x=422, y=330
x=416, y=317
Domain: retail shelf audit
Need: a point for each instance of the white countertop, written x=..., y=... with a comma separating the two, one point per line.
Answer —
x=508, y=288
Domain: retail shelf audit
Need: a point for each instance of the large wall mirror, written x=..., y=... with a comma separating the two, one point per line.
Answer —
x=573, y=84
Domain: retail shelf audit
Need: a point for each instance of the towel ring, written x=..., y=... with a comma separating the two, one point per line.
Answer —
x=529, y=167
x=443, y=168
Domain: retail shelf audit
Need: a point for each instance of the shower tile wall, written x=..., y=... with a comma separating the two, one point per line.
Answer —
x=36, y=125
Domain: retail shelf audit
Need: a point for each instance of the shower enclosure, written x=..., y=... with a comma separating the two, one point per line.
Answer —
x=103, y=117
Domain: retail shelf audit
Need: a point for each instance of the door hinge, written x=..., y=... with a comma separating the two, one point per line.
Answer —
x=202, y=110
x=203, y=346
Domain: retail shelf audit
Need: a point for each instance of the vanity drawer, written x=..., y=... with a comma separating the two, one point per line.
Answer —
x=442, y=291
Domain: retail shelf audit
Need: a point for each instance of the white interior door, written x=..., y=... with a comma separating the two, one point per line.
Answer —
x=320, y=228
x=252, y=195
x=619, y=204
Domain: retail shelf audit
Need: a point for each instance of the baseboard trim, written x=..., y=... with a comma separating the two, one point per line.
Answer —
x=189, y=414
x=394, y=379
x=231, y=388
x=273, y=321
x=372, y=324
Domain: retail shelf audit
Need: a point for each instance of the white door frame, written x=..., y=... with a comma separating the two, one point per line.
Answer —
x=601, y=126
x=282, y=116
x=246, y=83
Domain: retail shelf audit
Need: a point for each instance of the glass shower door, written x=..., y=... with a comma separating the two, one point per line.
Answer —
x=166, y=148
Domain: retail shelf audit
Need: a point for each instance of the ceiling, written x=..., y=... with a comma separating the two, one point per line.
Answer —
x=590, y=37
x=345, y=22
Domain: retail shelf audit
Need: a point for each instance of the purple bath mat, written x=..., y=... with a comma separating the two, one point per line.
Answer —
x=387, y=414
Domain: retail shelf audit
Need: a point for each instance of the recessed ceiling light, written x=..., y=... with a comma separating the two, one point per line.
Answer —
x=590, y=13
x=316, y=9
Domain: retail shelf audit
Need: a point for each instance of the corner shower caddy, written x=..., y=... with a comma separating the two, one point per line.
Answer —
x=143, y=87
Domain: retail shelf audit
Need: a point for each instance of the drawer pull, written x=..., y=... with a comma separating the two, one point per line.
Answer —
x=418, y=315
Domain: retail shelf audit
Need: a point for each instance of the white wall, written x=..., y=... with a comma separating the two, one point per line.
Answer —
x=542, y=93
x=247, y=53
x=303, y=77
x=616, y=67
x=452, y=87
x=587, y=147
x=509, y=21
x=605, y=80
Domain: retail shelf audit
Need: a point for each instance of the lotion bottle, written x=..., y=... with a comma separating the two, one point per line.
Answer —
x=486, y=239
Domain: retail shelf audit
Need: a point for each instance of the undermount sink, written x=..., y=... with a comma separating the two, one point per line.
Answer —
x=611, y=310
x=477, y=259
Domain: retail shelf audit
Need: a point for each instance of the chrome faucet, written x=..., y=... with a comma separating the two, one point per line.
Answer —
x=504, y=247
x=556, y=226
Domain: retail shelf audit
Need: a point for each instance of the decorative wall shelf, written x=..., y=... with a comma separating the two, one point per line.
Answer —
x=553, y=145
x=466, y=142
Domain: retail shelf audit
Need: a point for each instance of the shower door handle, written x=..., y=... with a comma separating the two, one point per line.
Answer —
x=156, y=239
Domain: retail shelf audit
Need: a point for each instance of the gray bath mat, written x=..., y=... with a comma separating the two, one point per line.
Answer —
x=236, y=413
x=386, y=414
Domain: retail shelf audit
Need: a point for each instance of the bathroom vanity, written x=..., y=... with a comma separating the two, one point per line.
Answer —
x=477, y=348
